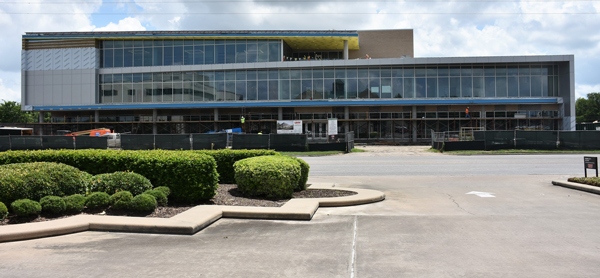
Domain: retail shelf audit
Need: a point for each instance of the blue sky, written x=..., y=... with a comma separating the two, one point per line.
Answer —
x=441, y=28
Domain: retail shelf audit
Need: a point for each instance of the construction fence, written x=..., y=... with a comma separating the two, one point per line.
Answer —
x=195, y=141
x=518, y=139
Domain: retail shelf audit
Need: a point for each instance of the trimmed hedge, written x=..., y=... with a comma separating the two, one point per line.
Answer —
x=191, y=176
x=304, y=169
x=3, y=211
x=165, y=190
x=589, y=180
x=39, y=179
x=143, y=203
x=274, y=177
x=160, y=197
x=53, y=204
x=120, y=181
x=74, y=203
x=26, y=207
x=226, y=158
x=97, y=200
x=121, y=200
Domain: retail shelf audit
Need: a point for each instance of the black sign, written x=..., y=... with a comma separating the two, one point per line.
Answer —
x=590, y=162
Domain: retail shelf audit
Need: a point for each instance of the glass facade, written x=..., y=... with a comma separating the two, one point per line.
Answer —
x=465, y=81
x=146, y=53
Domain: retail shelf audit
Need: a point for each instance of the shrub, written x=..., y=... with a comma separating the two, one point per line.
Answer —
x=144, y=203
x=3, y=211
x=74, y=203
x=165, y=190
x=160, y=197
x=26, y=207
x=37, y=180
x=226, y=158
x=98, y=200
x=304, y=169
x=191, y=176
x=120, y=181
x=121, y=200
x=52, y=204
x=589, y=180
x=272, y=176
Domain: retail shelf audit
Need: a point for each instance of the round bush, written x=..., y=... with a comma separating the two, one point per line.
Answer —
x=271, y=176
x=39, y=179
x=160, y=197
x=165, y=190
x=26, y=207
x=303, y=178
x=52, y=204
x=3, y=211
x=74, y=203
x=121, y=200
x=144, y=203
x=98, y=200
x=120, y=181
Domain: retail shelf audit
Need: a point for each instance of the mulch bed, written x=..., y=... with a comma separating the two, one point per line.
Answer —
x=227, y=195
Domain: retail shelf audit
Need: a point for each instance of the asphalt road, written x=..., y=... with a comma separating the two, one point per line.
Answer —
x=429, y=226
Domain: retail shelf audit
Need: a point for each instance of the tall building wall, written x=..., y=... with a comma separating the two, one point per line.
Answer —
x=59, y=76
x=384, y=44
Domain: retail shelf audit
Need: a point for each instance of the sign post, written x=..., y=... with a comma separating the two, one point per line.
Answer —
x=590, y=162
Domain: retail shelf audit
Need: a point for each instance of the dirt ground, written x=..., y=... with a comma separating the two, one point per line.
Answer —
x=378, y=150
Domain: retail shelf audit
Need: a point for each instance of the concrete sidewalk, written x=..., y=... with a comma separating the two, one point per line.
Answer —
x=188, y=222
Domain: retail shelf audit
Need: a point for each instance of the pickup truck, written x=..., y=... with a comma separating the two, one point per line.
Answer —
x=114, y=140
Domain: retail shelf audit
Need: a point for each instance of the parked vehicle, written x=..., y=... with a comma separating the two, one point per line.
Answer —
x=114, y=139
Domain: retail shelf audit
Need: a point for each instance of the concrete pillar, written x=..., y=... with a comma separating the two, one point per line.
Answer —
x=414, y=124
x=216, y=125
x=154, y=118
x=345, y=49
x=313, y=130
x=97, y=116
x=346, y=117
x=280, y=113
x=41, y=120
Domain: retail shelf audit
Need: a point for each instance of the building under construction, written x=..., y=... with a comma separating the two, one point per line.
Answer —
x=161, y=82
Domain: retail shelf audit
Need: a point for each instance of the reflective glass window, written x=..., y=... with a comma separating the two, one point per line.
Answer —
x=501, y=86
x=118, y=60
x=536, y=86
x=455, y=87
x=490, y=86
x=513, y=87
x=352, y=88
x=328, y=89
x=409, y=87
x=188, y=55
x=240, y=52
x=397, y=87
x=466, y=86
x=178, y=55
x=128, y=57
x=443, y=87
x=524, y=86
x=296, y=89
x=230, y=52
x=478, y=86
x=420, y=87
x=340, y=88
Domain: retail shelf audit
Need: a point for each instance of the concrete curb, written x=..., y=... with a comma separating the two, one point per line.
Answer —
x=188, y=222
x=578, y=186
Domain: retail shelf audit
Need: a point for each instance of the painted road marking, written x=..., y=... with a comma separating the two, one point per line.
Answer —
x=483, y=194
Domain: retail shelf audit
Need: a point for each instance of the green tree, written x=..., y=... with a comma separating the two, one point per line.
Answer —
x=588, y=110
x=10, y=112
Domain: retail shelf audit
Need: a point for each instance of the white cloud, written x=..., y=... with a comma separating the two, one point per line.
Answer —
x=583, y=90
x=127, y=24
x=10, y=91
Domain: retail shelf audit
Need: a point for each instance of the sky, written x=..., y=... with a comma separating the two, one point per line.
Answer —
x=455, y=28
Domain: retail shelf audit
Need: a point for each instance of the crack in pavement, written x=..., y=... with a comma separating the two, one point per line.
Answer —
x=457, y=205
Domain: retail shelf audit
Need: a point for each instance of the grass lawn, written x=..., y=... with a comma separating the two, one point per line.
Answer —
x=319, y=153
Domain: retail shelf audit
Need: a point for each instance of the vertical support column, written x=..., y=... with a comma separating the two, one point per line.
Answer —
x=41, y=120
x=313, y=130
x=346, y=117
x=154, y=117
x=280, y=113
x=96, y=116
x=345, y=49
x=413, y=116
x=216, y=125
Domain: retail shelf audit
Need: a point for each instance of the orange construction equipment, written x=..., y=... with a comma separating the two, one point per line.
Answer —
x=91, y=132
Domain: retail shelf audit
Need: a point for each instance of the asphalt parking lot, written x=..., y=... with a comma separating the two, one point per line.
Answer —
x=444, y=216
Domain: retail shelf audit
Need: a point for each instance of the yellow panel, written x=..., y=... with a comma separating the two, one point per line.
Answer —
x=295, y=42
